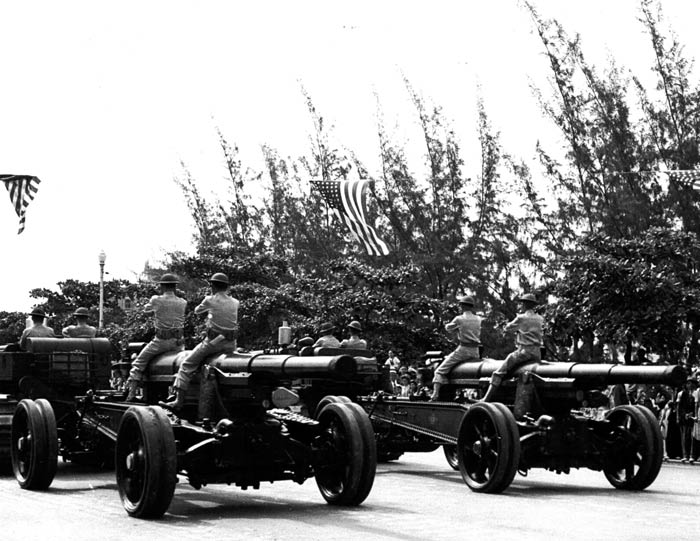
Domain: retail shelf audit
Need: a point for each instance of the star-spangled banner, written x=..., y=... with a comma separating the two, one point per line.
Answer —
x=348, y=200
x=22, y=189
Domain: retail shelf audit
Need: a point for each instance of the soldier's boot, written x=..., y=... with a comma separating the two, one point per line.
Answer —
x=175, y=401
x=132, y=387
x=436, y=392
x=496, y=379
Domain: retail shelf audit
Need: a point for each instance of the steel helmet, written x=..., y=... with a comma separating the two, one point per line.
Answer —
x=528, y=297
x=355, y=325
x=81, y=312
x=169, y=278
x=219, y=278
x=37, y=312
x=466, y=299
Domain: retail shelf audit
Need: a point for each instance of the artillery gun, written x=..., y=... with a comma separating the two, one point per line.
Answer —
x=237, y=427
x=538, y=420
x=53, y=369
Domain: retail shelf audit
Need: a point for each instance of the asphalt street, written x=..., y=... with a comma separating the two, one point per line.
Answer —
x=416, y=498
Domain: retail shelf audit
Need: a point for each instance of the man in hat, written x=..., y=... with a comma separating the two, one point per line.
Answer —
x=466, y=330
x=37, y=330
x=169, y=319
x=81, y=329
x=527, y=327
x=222, y=331
x=327, y=340
x=354, y=342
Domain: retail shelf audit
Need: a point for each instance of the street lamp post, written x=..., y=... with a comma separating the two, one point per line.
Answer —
x=102, y=258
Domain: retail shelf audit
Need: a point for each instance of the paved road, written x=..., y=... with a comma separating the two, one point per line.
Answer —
x=414, y=499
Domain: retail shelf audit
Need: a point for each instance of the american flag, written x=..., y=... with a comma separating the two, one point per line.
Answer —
x=22, y=189
x=689, y=177
x=348, y=200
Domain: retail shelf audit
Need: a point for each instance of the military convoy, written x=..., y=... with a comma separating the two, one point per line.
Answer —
x=267, y=416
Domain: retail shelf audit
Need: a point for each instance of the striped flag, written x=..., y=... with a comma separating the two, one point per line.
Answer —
x=690, y=177
x=22, y=189
x=348, y=200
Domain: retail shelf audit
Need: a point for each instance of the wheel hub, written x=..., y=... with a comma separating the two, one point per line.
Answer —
x=131, y=462
x=23, y=443
x=477, y=448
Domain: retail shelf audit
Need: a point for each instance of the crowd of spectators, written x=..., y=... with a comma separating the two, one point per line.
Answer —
x=409, y=379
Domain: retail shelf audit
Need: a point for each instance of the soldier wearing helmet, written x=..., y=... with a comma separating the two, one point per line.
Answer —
x=81, y=329
x=327, y=338
x=355, y=342
x=169, y=319
x=466, y=330
x=528, y=340
x=222, y=331
x=37, y=330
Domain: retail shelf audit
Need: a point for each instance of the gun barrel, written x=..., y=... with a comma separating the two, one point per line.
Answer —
x=281, y=366
x=97, y=346
x=608, y=374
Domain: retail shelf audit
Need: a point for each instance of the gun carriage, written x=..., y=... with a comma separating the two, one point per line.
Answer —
x=242, y=424
x=53, y=369
x=537, y=421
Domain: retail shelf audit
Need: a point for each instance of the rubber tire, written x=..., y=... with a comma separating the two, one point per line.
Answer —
x=344, y=487
x=369, y=455
x=146, y=431
x=51, y=433
x=451, y=456
x=329, y=399
x=498, y=423
x=658, y=444
x=39, y=428
x=651, y=456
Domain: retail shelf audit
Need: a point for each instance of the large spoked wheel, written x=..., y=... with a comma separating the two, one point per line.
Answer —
x=34, y=444
x=146, y=462
x=346, y=473
x=488, y=447
x=636, y=453
x=451, y=456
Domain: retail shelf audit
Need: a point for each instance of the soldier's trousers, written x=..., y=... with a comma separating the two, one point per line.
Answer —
x=153, y=348
x=519, y=357
x=463, y=354
x=192, y=362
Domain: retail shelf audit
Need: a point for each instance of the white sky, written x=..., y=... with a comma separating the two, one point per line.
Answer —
x=102, y=100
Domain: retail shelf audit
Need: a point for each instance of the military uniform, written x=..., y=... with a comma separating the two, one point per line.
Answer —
x=82, y=329
x=467, y=329
x=354, y=342
x=169, y=319
x=327, y=340
x=38, y=330
x=222, y=330
x=528, y=327
x=79, y=331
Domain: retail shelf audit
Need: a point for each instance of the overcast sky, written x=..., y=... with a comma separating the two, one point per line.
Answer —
x=102, y=100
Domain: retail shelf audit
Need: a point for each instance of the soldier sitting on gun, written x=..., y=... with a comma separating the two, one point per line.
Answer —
x=37, y=330
x=466, y=329
x=82, y=329
x=222, y=331
x=327, y=340
x=528, y=339
x=169, y=317
x=354, y=342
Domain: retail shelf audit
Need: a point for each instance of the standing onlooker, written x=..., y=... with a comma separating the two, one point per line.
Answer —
x=664, y=418
x=695, y=434
x=392, y=361
x=685, y=408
